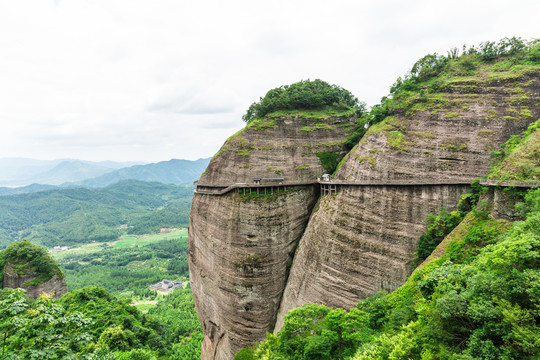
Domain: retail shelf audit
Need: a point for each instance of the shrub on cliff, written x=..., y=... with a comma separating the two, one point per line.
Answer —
x=25, y=257
x=303, y=95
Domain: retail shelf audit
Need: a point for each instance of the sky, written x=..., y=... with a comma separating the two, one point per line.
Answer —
x=134, y=80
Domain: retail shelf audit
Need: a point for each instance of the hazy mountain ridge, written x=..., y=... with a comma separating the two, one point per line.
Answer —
x=78, y=173
x=24, y=171
x=81, y=215
x=174, y=171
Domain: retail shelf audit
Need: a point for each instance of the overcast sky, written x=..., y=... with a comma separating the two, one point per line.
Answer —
x=155, y=80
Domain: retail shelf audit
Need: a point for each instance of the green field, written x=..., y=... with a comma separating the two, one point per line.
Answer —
x=125, y=241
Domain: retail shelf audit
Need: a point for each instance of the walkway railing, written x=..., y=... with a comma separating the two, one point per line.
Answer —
x=510, y=183
x=330, y=187
x=327, y=187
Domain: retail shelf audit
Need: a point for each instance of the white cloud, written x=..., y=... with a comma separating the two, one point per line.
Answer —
x=147, y=80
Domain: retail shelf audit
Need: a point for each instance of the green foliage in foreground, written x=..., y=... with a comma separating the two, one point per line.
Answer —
x=27, y=258
x=116, y=324
x=306, y=94
x=91, y=323
x=474, y=302
x=177, y=312
x=41, y=329
x=73, y=216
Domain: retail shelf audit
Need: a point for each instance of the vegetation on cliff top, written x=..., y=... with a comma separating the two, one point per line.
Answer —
x=28, y=259
x=305, y=95
x=426, y=87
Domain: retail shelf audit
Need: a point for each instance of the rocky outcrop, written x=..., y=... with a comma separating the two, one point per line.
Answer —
x=449, y=135
x=288, y=147
x=241, y=245
x=13, y=279
x=360, y=241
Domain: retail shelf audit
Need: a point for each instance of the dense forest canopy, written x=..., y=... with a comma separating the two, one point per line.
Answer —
x=73, y=216
x=128, y=269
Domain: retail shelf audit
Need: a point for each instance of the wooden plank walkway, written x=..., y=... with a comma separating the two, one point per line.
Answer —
x=330, y=187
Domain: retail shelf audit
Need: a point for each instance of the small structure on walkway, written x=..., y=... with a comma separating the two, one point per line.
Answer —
x=326, y=177
x=257, y=180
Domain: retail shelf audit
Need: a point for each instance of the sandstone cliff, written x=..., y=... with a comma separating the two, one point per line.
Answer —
x=361, y=239
x=241, y=246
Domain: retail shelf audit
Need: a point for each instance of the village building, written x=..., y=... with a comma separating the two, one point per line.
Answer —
x=59, y=248
x=166, y=285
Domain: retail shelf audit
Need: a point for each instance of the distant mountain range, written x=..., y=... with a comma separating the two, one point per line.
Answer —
x=23, y=171
x=175, y=171
x=27, y=175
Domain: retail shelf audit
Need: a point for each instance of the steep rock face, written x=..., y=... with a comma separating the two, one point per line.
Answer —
x=449, y=135
x=363, y=239
x=241, y=246
x=278, y=147
x=13, y=280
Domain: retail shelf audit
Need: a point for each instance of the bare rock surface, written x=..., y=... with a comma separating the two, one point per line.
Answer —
x=361, y=241
x=278, y=147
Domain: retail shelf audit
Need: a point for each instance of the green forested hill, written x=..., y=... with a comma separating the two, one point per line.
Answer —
x=68, y=216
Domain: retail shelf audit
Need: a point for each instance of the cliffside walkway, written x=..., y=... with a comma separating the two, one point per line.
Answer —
x=331, y=187
x=510, y=183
